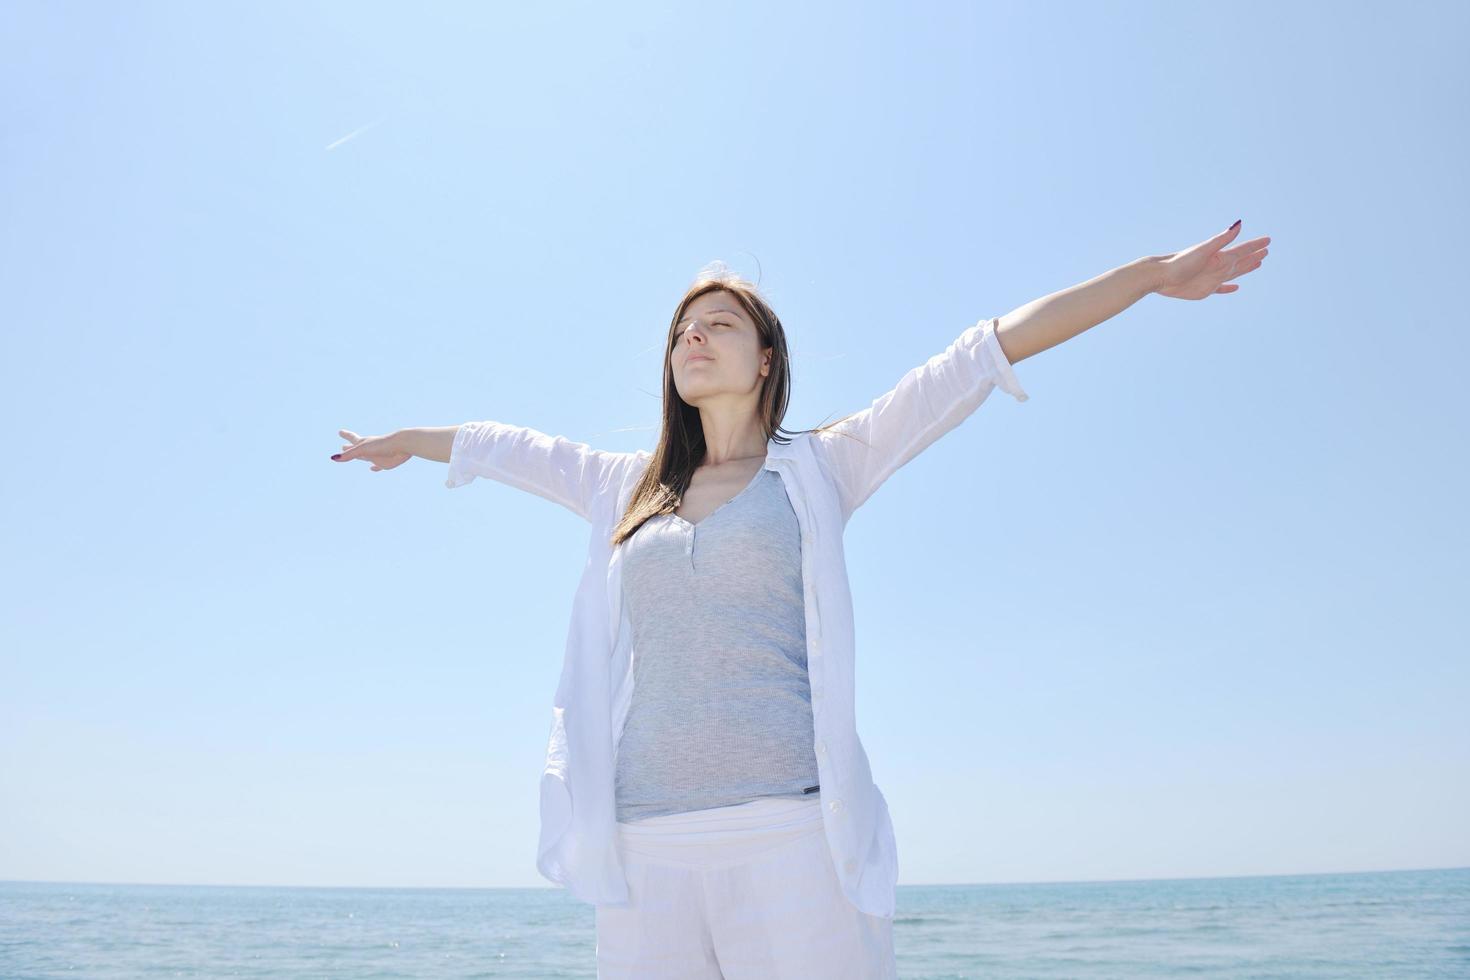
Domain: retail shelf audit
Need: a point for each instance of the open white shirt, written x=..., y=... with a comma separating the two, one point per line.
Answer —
x=827, y=476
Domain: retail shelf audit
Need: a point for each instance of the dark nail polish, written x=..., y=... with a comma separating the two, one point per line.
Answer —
x=336, y=455
x=1234, y=226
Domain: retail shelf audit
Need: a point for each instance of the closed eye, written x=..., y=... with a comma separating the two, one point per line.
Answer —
x=716, y=323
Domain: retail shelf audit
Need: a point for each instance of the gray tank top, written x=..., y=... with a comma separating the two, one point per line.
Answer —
x=721, y=711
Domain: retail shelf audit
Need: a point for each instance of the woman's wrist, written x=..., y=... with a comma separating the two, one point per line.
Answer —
x=1149, y=271
x=406, y=441
x=427, y=443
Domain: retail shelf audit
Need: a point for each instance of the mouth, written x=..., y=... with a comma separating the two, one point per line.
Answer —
x=697, y=357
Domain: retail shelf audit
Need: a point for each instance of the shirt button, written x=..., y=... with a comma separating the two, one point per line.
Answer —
x=821, y=748
x=850, y=865
x=835, y=806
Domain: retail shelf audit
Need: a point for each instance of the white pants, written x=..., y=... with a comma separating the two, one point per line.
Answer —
x=738, y=893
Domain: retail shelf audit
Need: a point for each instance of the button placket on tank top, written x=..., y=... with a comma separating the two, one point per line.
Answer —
x=690, y=531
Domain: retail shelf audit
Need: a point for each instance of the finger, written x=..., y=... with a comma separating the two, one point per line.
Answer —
x=1243, y=265
x=349, y=435
x=1227, y=289
x=1247, y=248
x=1212, y=246
x=1241, y=268
x=1221, y=240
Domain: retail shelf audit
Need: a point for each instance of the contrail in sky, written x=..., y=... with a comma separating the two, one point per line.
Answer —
x=359, y=132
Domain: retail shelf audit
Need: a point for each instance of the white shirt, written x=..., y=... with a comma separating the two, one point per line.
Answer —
x=827, y=476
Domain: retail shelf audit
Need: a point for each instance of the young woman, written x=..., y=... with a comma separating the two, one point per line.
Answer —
x=705, y=786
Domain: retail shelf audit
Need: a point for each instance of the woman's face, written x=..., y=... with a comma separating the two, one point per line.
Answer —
x=717, y=351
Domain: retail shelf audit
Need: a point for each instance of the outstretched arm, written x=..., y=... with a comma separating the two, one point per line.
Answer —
x=1192, y=273
x=866, y=448
x=569, y=473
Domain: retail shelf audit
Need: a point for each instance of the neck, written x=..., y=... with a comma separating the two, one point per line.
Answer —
x=729, y=439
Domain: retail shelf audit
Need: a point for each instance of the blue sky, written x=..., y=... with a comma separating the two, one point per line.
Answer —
x=1196, y=608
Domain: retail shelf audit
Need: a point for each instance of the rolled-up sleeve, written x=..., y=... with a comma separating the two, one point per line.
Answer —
x=460, y=458
x=1000, y=368
x=558, y=469
x=866, y=448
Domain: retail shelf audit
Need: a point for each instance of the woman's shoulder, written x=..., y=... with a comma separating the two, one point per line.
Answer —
x=639, y=463
x=631, y=465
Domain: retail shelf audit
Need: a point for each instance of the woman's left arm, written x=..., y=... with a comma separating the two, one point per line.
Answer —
x=864, y=449
x=1191, y=273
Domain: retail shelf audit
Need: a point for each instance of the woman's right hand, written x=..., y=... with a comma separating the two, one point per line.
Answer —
x=384, y=452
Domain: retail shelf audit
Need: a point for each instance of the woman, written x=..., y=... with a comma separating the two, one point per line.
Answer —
x=710, y=794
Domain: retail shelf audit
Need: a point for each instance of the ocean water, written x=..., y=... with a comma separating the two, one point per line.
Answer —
x=1382, y=924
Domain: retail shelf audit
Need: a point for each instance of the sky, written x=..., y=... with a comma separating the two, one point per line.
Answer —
x=1197, y=607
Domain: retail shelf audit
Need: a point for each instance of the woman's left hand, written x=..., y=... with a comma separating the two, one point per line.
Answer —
x=1208, y=267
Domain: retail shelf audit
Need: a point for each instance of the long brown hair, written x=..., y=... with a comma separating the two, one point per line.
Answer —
x=681, y=447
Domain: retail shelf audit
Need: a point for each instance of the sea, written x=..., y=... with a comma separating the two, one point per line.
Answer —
x=1375, y=924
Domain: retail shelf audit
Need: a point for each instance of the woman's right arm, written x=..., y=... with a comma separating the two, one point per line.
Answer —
x=430, y=443
x=397, y=448
x=569, y=473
